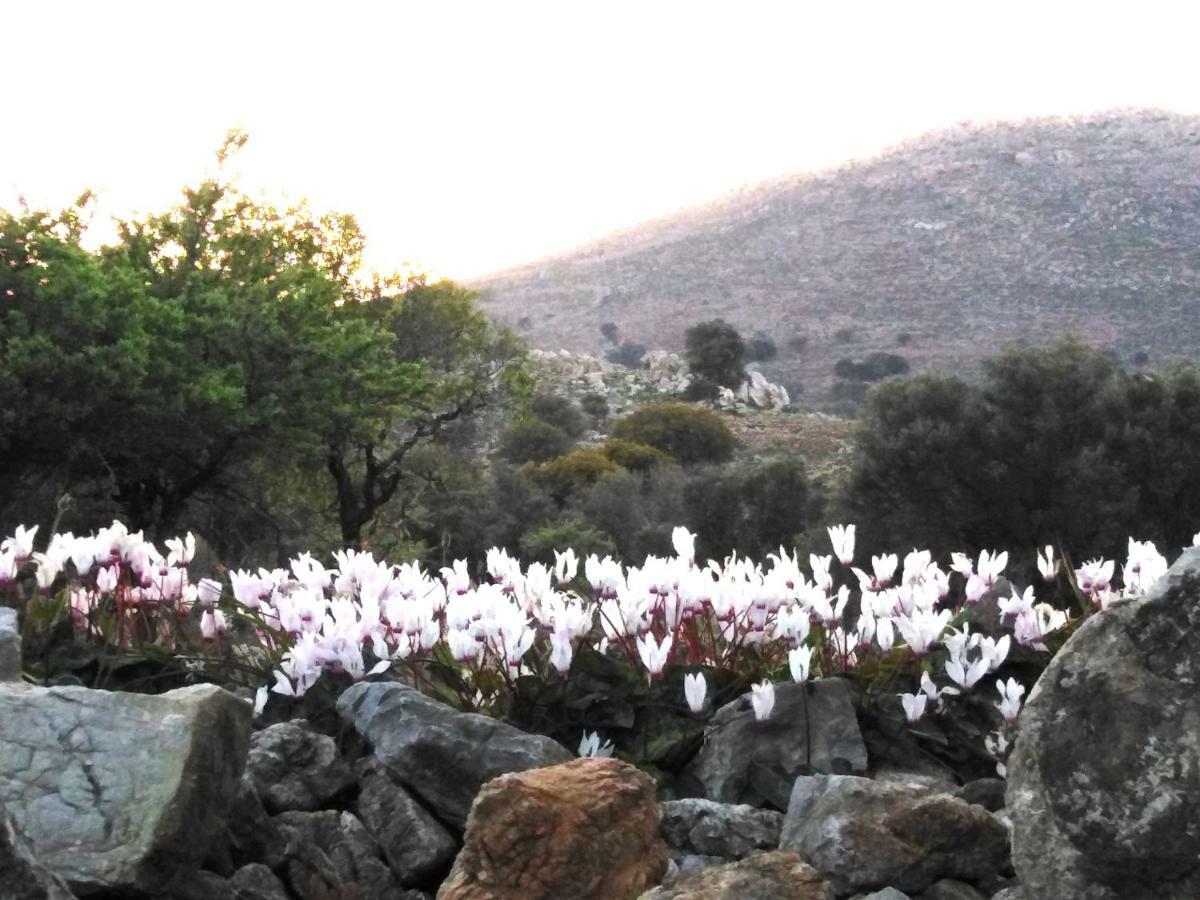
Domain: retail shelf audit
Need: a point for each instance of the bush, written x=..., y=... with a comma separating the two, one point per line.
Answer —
x=761, y=348
x=701, y=390
x=716, y=352
x=540, y=543
x=633, y=456
x=628, y=354
x=610, y=332
x=596, y=406
x=687, y=433
x=560, y=412
x=874, y=367
x=568, y=474
x=533, y=441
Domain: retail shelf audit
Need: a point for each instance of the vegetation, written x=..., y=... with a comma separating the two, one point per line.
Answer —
x=689, y=434
x=716, y=353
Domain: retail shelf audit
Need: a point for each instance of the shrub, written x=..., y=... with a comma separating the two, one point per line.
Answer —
x=596, y=406
x=539, y=544
x=561, y=412
x=533, y=441
x=610, y=332
x=568, y=474
x=687, y=433
x=761, y=348
x=628, y=354
x=716, y=352
x=632, y=456
x=874, y=367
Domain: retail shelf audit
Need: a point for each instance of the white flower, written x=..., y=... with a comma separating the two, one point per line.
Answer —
x=1011, y=692
x=762, y=698
x=1196, y=539
x=684, y=543
x=842, y=538
x=21, y=543
x=964, y=673
x=213, y=624
x=653, y=654
x=914, y=706
x=566, y=565
x=1047, y=564
x=590, y=745
x=694, y=689
x=798, y=662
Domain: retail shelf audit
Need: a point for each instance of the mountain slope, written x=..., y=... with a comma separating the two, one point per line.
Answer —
x=939, y=250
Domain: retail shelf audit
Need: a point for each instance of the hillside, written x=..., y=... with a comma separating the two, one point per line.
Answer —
x=940, y=249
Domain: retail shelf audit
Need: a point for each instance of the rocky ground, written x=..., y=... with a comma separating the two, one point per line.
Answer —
x=182, y=795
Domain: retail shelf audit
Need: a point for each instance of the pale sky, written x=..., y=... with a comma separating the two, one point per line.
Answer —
x=469, y=137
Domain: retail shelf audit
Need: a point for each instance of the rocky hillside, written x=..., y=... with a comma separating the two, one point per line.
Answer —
x=939, y=250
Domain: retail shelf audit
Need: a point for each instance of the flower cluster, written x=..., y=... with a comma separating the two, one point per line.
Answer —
x=363, y=615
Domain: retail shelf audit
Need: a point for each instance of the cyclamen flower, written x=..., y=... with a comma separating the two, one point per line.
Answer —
x=966, y=674
x=590, y=746
x=694, y=689
x=653, y=654
x=842, y=538
x=799, y=661
x=1047, y=564
x=566, y=565
x=106, y=579
x=1011, y=692
x=914, y=707
x=684, y=543
x=213, y=624
x=762, y=698
x=21, y=542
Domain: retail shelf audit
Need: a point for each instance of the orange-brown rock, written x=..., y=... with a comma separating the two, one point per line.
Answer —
x=584, y=829
x=779, y=875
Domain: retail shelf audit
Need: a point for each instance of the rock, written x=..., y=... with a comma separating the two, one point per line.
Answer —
x=709, y=828
x=987, y=792
x=888, y=893
x=120, y=791
x=1015, y=892
x=585, y=829
x=416, y=846
x=812, y=729
x=863, y=835
x=292, y=768
x=778, y=875
x=331, y=854
x=440, y=754
x=760, y=393
x=24, y=878
x=198, y=886
x=1104, y=781
x=257, y=882
x=251, y=836
x=949, y=889
x=10, y=645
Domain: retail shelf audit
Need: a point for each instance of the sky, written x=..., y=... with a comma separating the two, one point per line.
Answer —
x=471, y=137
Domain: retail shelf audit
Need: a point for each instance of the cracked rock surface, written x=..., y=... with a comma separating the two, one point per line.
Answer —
x=120, y=791
x=1104, y=781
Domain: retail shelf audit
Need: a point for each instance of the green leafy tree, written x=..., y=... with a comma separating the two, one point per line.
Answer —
x=716, y=352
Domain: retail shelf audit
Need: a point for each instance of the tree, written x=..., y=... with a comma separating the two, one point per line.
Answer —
x=715, y=352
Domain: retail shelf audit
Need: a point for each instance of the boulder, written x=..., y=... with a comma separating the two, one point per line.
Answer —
x=708, y=828
x=778, y=875
x=864, y=835
x=950, y=889
x=811, y=729
x=250, y=835
x=120, y=791
x=987, y=792
x=1104, y=780
x=23, y=876
x=416, y=846
x=257, y=882
x=440, y=754
x=330, y=854
x=888, y=893
x=10, y=646
x=760, y=393
x=294, y=769
x=585, y=829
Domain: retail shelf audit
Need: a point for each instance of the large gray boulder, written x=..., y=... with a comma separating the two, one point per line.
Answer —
x=10, y=646
x=864, y=835
x=812, y=728
x=708, y=828
x=778, y=875
x=1104, y=781
x=295, y=769
x=440, y=754
x=120, y=792
x=22, y=876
